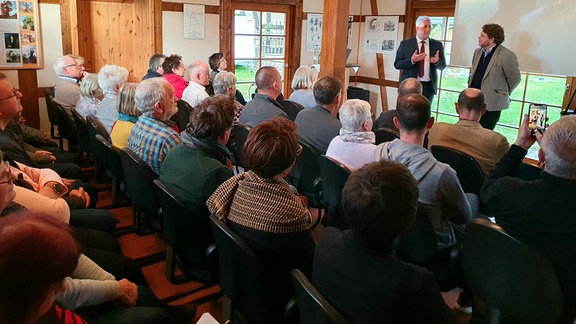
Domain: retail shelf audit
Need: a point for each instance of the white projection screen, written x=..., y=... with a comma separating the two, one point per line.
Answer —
x=542, y=33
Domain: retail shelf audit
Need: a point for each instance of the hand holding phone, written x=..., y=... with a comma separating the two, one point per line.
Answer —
x=538, y=117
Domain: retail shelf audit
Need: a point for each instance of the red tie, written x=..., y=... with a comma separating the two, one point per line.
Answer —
x=422, y=50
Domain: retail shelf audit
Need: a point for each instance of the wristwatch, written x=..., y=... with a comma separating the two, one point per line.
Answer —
x=58, y=188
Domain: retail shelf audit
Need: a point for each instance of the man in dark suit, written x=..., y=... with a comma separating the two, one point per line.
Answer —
x=420, y=56
x=495, y=71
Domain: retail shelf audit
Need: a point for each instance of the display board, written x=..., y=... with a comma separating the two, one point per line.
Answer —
x=19, y=28
x=538, y=31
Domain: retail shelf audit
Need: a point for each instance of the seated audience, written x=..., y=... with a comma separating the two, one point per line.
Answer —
x=90, y=95
x=261, y=207
x=199, y=79
x=225, y=83
x=317, y=126
x=32, y=284
x=127, y=115
x=111, y=78
x=354, y=147
x=218, y=63
x=174, y=71
x=441, y=195
x=10, y=108
x=264, y=105
x=207, y=164
x=153, y=135
x=37, y=253
x=386, y=118
x=467, y=135
x=302, y=83
x=540, y=212
x=155, y=66
x=70, y=70
x=355, y=270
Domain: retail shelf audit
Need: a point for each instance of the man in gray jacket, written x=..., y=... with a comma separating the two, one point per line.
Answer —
x=495, y=71
x=441, y=195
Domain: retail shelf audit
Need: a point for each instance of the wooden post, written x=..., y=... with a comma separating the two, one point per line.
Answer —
x=334, y=33
x=380, y=64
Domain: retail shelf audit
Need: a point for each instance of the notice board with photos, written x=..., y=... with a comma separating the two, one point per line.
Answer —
x=20, y=35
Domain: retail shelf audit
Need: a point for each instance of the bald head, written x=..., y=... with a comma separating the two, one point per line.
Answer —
x=409, y=85
x=471, y=99
x=269, y=81
x=199, y=72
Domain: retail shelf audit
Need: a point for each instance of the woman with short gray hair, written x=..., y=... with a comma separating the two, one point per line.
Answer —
x=354, y=147
x=90, y=96
x=302, y=83
x=225, y=83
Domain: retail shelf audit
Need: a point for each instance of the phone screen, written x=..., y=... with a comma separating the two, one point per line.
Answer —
x=538, y=117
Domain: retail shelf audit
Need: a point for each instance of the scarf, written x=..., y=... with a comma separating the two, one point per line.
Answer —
x=127, y=118
x=215, y=150
x=357, y=137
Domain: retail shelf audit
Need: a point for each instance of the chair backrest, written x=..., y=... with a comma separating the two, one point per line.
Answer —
x=82, y=132
x=312, y=306
x=305, y=171
x=184, y=110
x=186, y=230
x=66, y=127
x=240, y=134
x=139, y=179
x=111, y=157
x=385, y=134
x=95, y=126
x=418, y=243
x=514, y=280
x=242, y=275
x=469, y=172
x=51, y=106
x=334, y=175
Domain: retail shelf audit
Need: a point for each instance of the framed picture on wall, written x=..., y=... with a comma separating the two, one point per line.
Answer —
x=20, y=32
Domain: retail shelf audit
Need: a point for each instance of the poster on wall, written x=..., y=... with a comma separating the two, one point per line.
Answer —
x=314, y=32
x=20, y=48
x=381, y=34
x=193, y=21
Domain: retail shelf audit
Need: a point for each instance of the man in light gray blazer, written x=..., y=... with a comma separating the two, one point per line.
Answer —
x=495, y=71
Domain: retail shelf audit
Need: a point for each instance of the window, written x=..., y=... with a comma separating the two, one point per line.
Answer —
x=533, y=88
x=259, y=40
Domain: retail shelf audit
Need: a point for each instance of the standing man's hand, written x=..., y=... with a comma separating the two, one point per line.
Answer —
x=434, y=59
x=418, y=57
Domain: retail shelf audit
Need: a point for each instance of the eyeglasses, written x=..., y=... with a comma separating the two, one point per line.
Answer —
x=299, y=150
x=14, y=94
x=81, y=67
x=6, y=175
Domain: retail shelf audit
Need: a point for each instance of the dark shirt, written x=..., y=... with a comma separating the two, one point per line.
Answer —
x=539, y=213
x=151, y=74
x=370, y=286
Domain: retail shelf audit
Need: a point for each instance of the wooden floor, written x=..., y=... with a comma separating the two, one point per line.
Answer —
x=149, y=251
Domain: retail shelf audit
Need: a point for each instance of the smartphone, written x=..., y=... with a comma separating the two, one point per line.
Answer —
x=538, y=116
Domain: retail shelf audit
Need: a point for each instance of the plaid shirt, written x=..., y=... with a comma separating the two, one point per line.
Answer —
x=151, y=139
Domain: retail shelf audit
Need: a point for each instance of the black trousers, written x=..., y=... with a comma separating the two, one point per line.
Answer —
x=428, y=90
x=489, y=119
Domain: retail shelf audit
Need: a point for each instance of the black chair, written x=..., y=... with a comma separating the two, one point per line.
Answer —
x=66, y=128
x=469, y=172
x=312, y=306
x=386, y=135
x=517, y=282
x=239, y=134
x=139, y=179
x=183, y=114
x=305, y=175
x=52, y=112
x=109, y=157
x=334, y=175
x=188, y=235
x=82, y=134
x=418, y=245
x=95, y=126
x=242, y=279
